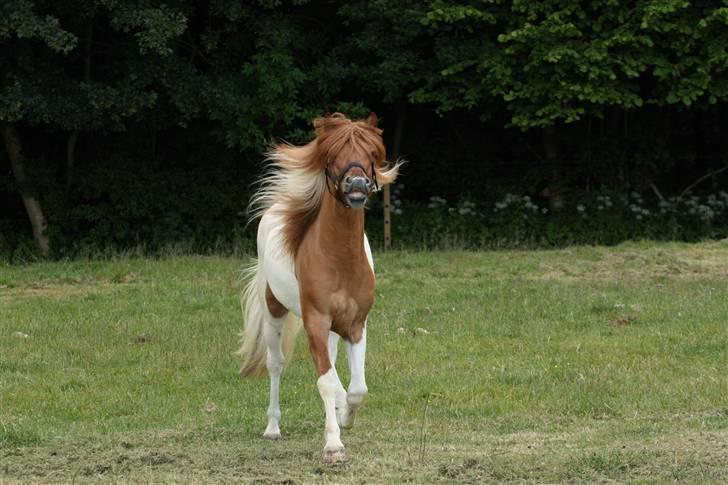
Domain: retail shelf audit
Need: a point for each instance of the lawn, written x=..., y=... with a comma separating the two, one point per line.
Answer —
x=580, y=364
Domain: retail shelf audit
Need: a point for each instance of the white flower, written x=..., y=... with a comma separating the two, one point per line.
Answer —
x=436, y=201
x=580, y=208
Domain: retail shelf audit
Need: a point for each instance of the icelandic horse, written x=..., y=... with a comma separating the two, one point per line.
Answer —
x=314, y=264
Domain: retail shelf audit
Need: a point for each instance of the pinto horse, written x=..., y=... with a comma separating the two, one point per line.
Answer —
x=314, y=264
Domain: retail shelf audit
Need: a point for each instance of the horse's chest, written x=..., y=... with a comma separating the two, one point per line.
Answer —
x=349, y=312
x=337, y=287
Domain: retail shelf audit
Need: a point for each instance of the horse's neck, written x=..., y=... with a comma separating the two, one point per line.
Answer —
x=341, y=230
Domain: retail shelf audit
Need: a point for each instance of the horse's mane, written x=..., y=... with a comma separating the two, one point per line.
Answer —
x=296, y=180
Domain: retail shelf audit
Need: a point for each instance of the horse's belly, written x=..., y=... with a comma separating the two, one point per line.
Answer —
x=278, y=265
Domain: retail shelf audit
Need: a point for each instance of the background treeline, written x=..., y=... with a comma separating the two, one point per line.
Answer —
x=130, y=123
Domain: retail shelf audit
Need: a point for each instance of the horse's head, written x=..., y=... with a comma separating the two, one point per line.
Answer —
x=353, y=153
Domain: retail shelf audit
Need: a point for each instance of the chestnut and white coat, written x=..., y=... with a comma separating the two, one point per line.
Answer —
x=314, y=266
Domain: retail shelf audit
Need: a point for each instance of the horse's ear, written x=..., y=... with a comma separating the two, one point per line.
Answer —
x=319, y=124
x=324, y=124
x=372, y=119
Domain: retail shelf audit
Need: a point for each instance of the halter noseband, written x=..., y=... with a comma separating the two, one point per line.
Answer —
x=336, y=178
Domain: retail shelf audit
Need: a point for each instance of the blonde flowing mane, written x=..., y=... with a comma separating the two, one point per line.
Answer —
x=296, y=183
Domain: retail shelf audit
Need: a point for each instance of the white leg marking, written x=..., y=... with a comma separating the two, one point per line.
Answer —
x=358, y=386
x=334, y=448
x=333, y=347
x=274, y=362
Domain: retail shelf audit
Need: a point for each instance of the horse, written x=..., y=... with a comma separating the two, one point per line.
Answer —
x=314, y=267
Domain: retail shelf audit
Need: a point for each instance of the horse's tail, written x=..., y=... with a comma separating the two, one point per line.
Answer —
x=253, y=347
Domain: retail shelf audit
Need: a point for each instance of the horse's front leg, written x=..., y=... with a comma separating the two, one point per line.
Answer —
x=340, y=391
x=317, y=328
x=358, y=386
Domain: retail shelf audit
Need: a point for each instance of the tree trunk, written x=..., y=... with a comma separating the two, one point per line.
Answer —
x=70, y=159
x=32, y=205
x=553, y=191
x=73, y=137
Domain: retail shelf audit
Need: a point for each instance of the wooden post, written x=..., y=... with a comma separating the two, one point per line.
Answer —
x=401, y=113
x=387, y=217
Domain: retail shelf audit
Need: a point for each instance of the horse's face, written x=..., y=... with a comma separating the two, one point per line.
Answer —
x=352, y=166
x=355, y=177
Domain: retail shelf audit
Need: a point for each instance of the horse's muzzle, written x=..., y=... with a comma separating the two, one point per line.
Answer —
x=357, y=190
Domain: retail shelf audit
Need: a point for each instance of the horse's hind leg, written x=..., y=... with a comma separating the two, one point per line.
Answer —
x=358, y=386
x=272, y=332
x=274, y=363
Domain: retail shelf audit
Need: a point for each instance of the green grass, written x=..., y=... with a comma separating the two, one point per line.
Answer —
x=582, y=364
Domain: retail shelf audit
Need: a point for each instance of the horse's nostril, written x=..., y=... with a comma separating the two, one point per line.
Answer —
x=358, y=184
x=347, y=179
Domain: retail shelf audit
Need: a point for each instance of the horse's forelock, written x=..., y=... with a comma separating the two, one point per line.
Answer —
x=338, y=133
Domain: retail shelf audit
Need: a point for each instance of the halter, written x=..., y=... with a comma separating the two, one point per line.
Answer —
x=336, y=178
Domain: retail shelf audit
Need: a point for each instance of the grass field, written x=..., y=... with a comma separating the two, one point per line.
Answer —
x=582, y=364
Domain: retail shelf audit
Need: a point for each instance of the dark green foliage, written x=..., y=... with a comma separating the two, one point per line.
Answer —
x=128, y=203
x=560, y=61
x=144, y=123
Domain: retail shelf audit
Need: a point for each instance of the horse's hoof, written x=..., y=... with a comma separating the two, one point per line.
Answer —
x=333, y=456
x=275, y=435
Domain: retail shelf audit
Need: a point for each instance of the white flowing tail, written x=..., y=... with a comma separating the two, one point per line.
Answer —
x=256, y=315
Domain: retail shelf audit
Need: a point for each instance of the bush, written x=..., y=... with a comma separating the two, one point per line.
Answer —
x=143, y=212
x=519, y=221
x=129, y=205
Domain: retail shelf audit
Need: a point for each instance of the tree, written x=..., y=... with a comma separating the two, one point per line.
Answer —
x=559, y=61
x=41, y=84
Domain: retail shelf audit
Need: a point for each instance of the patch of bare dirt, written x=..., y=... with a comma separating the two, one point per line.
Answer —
x=641, y=264
x=44, y=290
